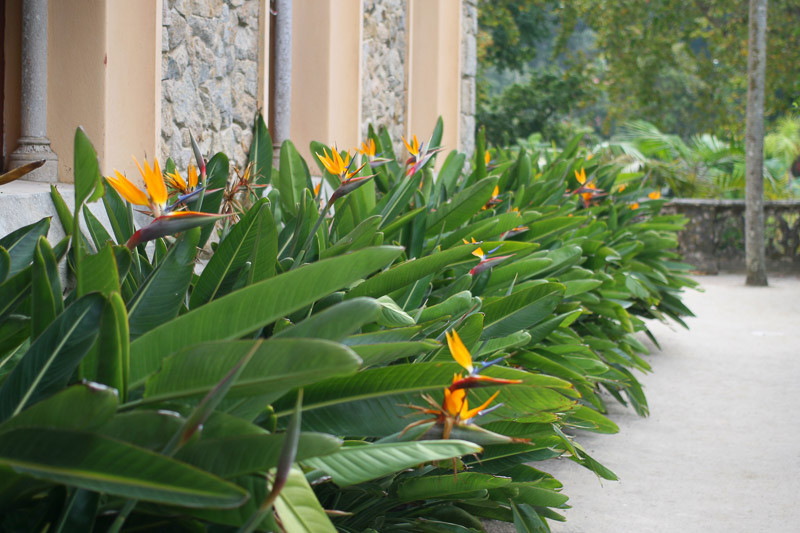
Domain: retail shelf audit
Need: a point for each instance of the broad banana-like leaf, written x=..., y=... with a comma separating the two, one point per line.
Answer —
x=298, y=508
x=356, y=464
x=461, y=207
x=81, y=407
x=224, y=268
x=53, y=357
x=99, y=272
x=253, y=307
x=93, y=462
x=161, y=295
x=47, y=301
x=430, y=487
x=520, y=310
x=408, y=272
x=236, y=455
x=261, y=151
x=336, y=322
x=276, y=366
x=291, y=178
x=373, y=402
x=21, y=244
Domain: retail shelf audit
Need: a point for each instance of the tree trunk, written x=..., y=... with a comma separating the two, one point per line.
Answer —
x=754, y=145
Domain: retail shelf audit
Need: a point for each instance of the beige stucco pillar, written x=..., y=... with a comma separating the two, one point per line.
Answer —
x=103, y=73
x=434, y=70
x=326, y=73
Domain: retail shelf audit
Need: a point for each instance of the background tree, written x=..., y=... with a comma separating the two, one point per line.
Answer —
x=754, y=146
x=683, y=65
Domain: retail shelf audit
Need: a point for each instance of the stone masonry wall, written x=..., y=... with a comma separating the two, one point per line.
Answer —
x=209, y=77
x=383, y=89
x=469, y=69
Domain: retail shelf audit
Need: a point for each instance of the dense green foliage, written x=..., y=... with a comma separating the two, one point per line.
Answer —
x=679, y=65
x=706, y=166
x=277, y=383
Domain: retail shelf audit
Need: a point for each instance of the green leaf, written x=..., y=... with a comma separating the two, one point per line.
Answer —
x=336, y=322
x=392, y=315
x=430, y=487
x=97, y=231
x=46, y=297
x=526, y=520
x=161, y=295
x=235, y=455
x=261, y=151
x=225, y=267
x=120, y=215
x=21, y=245
x=253, y=307
x=520, y=310
x=99, y=272
x=14, y=290
x=81, y=407
x=298, y=507
x=371, y=402
x=14, y=330
x=5, y=264
x=291, y=177
x=277, y=366
x=53, y=357
x=88, y=181
x=408, y=272
x=461, y=207
x=109, y=360
x=384, y=352
x=97, y=463
x=356, y=464
x=217, y=171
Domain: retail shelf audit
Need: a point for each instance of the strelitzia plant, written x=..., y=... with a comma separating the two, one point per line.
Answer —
x=168, y=219
x=454, y=410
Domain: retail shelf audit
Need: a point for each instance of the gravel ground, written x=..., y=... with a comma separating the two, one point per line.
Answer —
x=720, y=451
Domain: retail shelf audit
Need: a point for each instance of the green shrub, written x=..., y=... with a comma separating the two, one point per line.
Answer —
x=310, y=365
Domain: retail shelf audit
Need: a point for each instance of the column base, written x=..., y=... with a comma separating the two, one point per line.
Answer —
x=35, y=149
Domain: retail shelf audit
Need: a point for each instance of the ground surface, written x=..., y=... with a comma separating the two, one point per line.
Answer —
x=720, y=451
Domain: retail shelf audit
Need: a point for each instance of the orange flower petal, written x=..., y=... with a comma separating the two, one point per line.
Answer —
x=472, y=412
x=192, y=176
x=127, y=190
x=655, y=195
x=459, y=351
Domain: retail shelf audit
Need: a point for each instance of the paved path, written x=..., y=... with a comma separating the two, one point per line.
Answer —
x=720, y=451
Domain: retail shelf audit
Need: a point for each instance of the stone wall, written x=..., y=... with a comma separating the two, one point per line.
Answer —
x=209, y=77
x=469, y=69
x=384, y=87
x=713, y=239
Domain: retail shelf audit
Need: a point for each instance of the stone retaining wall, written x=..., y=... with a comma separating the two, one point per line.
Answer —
x=209, y=77
x=714, y=237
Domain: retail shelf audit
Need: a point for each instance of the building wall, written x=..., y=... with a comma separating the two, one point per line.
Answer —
x=150, y=72
x=210, y=77
x=384, y=52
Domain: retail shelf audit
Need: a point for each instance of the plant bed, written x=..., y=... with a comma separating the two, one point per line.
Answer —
x=391, y=357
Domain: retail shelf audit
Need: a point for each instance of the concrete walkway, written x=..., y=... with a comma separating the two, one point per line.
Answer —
x=720, y=451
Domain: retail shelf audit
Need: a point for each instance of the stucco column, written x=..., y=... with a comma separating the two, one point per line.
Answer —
x=33, y=143
x=283, y=73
